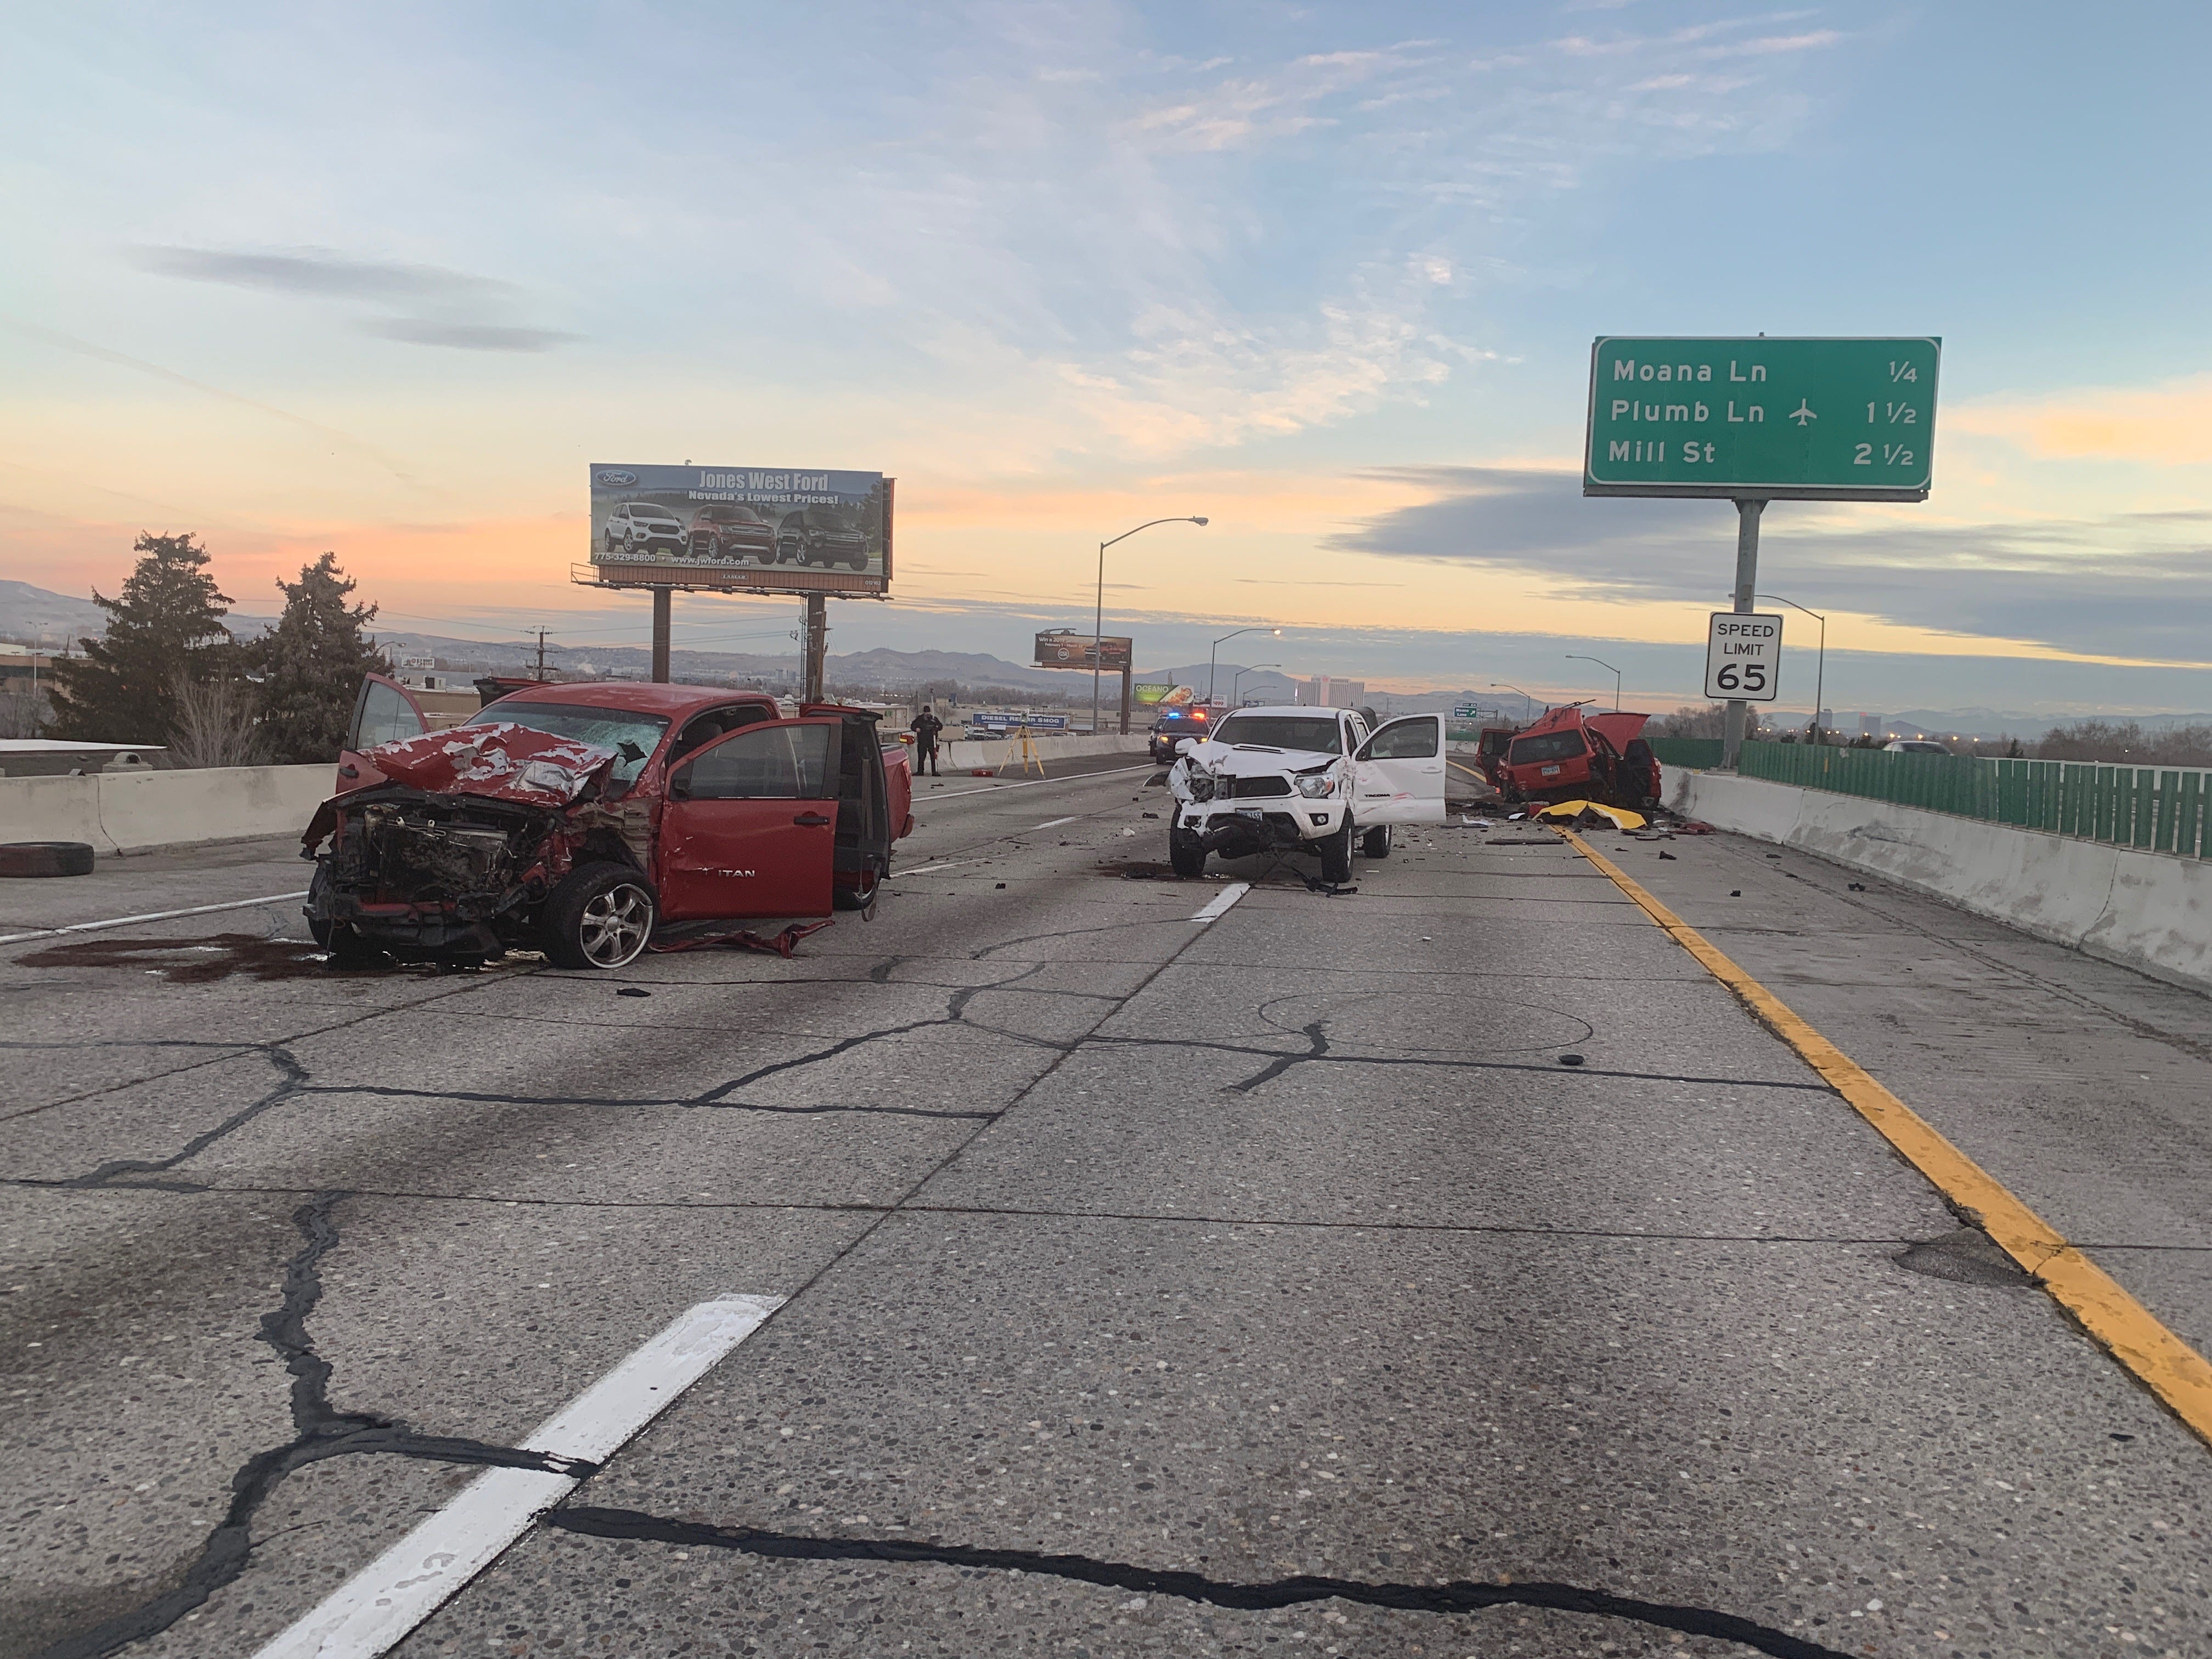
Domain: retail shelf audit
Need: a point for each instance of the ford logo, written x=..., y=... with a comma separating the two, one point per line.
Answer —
x=615, y=479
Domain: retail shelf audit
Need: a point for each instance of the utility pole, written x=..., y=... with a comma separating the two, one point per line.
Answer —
x=541, y=652
x=1747, y=509
x=660, y=626
x=818, y=642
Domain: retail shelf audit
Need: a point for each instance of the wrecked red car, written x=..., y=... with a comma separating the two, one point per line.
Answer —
x=591, y=821
x=1572, y=755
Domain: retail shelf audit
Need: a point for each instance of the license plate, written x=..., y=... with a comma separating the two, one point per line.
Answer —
x=1249, y=812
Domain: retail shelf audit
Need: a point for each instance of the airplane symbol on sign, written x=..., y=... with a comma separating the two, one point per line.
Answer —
x=1801, y=414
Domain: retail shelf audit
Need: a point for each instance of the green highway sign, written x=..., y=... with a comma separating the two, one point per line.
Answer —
x=1781, y=419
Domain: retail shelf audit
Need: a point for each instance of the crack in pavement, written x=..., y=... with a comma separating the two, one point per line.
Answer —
x=1316, y=1037
x=1460, y=1596
x=1329, y=1057
x=320, y=1430
x=294, y=1083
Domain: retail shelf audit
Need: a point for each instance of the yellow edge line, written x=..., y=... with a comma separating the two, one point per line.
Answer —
x=2176, y=1373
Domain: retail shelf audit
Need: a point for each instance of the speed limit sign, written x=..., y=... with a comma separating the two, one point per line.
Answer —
x=1743, y=656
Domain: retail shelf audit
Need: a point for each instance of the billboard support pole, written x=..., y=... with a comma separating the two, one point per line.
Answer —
x=1747, y=509
x=661, y=614
x=817, y=641
x=1128, y=670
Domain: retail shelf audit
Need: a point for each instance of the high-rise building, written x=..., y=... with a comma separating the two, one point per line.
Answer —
x=1326, y=691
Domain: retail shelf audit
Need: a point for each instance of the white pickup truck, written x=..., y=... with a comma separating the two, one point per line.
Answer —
x=1308, y=780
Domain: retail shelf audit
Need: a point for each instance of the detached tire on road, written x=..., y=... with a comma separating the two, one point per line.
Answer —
x=45, y=858
x=601, y=916
x=1375, y=843
x=1186, y=852
x=1336, y=855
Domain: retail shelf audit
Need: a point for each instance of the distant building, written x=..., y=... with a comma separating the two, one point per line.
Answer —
x=1325, y=692
x=1869, y=726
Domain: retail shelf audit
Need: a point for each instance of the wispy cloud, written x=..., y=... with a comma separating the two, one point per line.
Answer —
x=2132, y=586
x=446, y=307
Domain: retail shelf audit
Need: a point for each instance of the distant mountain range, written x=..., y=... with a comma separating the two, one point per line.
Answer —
x=35, y=616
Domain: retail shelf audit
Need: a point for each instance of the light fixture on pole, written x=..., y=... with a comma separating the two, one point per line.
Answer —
x=1098, y=616
x=1529, y=713
x=1236, y=681
x=1575, y=656
x=1257, y=627
x=1820, y=669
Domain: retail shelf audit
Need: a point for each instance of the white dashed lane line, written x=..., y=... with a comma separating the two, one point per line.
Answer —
x=1222, y=900
x=373, y=1611
x=1054, y=823
x=151, y=916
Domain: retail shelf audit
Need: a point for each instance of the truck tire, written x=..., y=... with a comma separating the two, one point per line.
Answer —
x=1186, y=852
x=602, y=915
x=45, y=858
x=1375, y=843
x=1336, y=855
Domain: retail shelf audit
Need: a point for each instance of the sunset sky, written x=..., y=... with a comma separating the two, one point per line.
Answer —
x=384, y=280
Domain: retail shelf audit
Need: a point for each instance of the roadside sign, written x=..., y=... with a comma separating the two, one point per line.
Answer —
x=1782, y=419
x=1743, y=656
x=1062, y=648
x=1466, y=711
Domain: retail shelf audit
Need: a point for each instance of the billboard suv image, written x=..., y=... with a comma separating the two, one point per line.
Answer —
x=770, y=529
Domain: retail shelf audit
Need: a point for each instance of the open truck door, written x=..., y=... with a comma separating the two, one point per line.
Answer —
x=1399, y=772
x=750, y=827
x=384, y=711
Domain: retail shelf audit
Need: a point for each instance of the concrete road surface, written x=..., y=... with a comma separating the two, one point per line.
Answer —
x=1165, y=1269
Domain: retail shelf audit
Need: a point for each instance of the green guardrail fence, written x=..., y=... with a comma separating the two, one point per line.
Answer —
x=2157, y=809
x=1702, y=753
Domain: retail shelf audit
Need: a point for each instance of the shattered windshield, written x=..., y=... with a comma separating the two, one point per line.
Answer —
x=1317, y=733
x=610, y=728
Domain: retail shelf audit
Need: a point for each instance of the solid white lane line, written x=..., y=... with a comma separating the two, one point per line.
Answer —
x=373, y=1611
x=920, y=801
x=1221, y=902
x=151, y=916
x=1054, y=823
x=923, y=869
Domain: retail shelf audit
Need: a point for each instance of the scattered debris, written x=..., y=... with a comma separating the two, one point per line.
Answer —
x=1571, y=1059
x=1591, y=814
x=783, y=944
x=1670, y=858
x=632, y=991
x=1130, y=833
x=1000, y=884
x=1774, y=855
x=1857, y=886
x=1736, y=892
x=1151, y=815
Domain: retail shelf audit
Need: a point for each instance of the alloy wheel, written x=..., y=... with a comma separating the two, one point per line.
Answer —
x=616, y=925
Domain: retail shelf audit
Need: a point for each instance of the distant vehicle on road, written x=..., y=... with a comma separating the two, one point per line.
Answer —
x=1305, y=779
x=641, y=527
x=580, y=820
x=1173, y=725
x=1915, y=746
x=732, y=530
x=1572, y=755
x=824, y=536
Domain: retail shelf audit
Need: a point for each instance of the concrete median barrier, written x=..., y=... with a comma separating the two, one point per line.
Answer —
x=2148, y=911
x=136, y=811
x=965, y=755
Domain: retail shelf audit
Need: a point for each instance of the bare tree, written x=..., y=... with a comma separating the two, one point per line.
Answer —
x=23, y=712
x=2128, y=744
x=215, y=724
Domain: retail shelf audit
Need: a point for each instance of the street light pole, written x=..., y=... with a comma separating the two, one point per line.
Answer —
x=1098, y=615
x=1575, y=656
x=1257, y=627
x=1530, y=711
x=1237, y=680
x=1820, y=669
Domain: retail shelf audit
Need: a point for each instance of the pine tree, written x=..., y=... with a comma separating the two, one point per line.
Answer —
x=166, y=625
x=311, y=666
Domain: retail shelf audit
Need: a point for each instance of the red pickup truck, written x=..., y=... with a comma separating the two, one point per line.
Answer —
x=1568, y=755
x=585, y=820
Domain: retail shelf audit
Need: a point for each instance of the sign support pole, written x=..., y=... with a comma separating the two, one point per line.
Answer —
x=1748, y=509
x=1128, y=671
x=661, y=614
x=818, y=642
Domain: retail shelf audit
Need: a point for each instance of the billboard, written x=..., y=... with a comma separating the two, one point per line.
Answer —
x=1063, y=649
x=775, y=530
